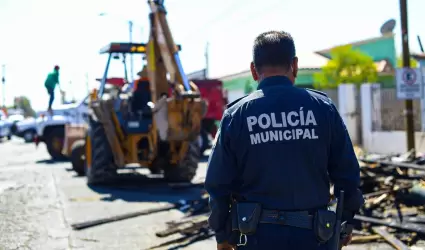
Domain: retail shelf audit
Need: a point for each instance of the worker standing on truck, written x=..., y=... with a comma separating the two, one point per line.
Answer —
x=51, y=81
x=276, y=151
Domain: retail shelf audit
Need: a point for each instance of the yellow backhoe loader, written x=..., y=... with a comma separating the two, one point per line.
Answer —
x=154, y=121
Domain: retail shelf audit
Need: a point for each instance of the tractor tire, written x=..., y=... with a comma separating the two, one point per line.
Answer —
x=103, y=169
x=205, y=142
x=185, y=171
x=158, y=165
x=54, y=143
x=78, y=151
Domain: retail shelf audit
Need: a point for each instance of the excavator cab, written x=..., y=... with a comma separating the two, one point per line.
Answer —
x=137, y=118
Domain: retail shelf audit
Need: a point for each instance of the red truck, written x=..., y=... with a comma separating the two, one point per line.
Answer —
x=213, y=92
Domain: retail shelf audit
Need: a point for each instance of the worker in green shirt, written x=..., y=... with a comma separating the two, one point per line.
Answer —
x=50, y=84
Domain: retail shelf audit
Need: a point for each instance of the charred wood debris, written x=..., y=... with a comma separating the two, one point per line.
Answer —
x=394, y=209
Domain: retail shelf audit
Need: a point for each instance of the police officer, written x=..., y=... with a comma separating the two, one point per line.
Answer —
x=280, y=147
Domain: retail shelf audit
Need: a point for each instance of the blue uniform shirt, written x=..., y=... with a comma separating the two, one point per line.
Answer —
x=281, y=146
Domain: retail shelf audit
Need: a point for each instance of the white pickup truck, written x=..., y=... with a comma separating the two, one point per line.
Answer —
x=26, y=129
x=51, y=128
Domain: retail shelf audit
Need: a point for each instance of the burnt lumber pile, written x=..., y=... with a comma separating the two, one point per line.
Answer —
x=394, y=194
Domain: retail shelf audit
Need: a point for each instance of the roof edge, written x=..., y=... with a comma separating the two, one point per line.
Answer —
x=323, y=52
x=248, y=72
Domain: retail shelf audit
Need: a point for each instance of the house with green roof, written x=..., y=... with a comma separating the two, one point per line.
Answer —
x=383, y=52
x=381, y=49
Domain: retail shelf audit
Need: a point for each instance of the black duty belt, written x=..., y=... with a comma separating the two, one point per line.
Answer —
x=301, y=219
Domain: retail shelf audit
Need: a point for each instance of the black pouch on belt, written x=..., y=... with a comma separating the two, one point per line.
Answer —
x=248, y=217
x=324, y=224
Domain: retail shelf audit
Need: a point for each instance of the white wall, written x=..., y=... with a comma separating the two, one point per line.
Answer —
x=347, y=110
x=389, y=142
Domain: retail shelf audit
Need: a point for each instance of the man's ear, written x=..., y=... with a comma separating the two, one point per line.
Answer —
x=295, y=67
x=254, y=72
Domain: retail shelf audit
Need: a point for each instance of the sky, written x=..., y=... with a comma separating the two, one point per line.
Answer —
x=35, y=35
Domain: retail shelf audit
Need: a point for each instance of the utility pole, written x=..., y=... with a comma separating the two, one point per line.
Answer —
x=3, y=81
x=130, y=27
x=73, y=92
x=207, y=64
x=87, y=83
x=410, y=130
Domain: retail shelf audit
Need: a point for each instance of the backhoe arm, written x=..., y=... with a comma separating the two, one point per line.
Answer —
x=163, y=56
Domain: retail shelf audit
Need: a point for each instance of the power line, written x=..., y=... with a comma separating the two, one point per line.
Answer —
x=249, y=17
x=258, y=13
x=218, y=18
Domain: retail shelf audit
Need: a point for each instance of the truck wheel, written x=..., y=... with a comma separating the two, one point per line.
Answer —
x=14, y=128
x=186, y=169
x=78, y=150
x=54, y=143
x=29, y=136
x=103, y=169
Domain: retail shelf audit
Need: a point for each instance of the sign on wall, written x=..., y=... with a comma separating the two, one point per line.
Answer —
x=409, y=83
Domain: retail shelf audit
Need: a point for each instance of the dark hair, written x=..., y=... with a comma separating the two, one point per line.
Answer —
x=273, y=48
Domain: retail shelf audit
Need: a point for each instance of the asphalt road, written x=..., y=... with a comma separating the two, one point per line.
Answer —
x=40, y=199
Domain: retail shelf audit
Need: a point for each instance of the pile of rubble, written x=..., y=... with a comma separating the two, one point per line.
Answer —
x=394, y=194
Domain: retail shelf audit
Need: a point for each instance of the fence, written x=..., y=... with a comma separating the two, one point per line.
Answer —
x=383, y=126
x=392, y=112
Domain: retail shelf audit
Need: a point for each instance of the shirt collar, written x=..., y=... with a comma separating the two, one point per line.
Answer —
x=273, y=81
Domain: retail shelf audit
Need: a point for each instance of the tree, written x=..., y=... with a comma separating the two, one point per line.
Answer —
x=413, y=62
x=346, y=66
x=22, y=102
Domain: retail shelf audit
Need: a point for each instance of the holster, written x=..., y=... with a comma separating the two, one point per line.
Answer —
x=234, y=216
x=248, y=217
x=323, y=225
x=232, y=233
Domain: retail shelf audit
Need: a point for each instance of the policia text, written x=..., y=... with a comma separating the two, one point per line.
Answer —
x=288, y=126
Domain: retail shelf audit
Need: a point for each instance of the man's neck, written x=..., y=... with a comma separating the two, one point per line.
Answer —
x=266, y=75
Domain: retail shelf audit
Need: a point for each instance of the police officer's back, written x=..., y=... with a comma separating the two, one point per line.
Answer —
x=277, y=151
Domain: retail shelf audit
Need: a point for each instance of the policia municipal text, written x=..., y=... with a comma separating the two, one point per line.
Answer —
x=276, y=153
